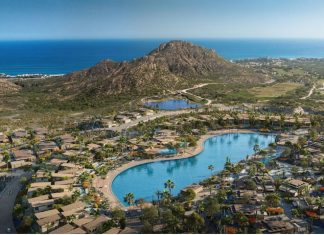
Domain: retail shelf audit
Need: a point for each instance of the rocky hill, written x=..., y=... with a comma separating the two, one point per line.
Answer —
x=172, y=65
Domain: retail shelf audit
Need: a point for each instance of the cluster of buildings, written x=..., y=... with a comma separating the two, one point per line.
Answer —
x=53, y=195
x=59, y=183
x=127, y=117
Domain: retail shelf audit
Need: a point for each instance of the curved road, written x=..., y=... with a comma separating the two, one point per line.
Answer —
x=7, y=201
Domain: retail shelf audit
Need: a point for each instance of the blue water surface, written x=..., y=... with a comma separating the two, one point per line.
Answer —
x=172, y=104
x=64, y=56
x=144, y=180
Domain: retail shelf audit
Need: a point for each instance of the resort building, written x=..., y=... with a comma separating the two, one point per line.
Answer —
x=48, y=223
x=122, y=119
x=94, y=225
x=63, y=229
x=73, y=209
x=25, y=155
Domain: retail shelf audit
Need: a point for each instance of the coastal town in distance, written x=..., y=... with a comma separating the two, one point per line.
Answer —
x=190, y=121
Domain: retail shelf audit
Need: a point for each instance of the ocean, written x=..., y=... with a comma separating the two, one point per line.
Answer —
x=64, y=56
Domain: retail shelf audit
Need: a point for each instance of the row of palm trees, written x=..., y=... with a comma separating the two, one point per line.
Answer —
x=129, y=198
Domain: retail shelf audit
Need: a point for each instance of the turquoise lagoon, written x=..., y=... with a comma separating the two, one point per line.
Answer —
x=172, y=104
x=144, y=180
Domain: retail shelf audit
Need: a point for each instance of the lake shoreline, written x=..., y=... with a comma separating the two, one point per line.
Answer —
x=105, y=185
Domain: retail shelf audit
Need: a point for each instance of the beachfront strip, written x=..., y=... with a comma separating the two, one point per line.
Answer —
x=68, y=190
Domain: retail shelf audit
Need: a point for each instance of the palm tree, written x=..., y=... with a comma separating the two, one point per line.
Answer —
x=122, y=142
x=277, y=183
x=282, y=120
x=252, y=170
x=158, y=195
x=59, y=142
x=166, y=197
x=256, y=148
x=251, y=119
x=277, y=139
x=169, y=184
x=259, y=166
x=6, y=158
x=210, y=185
x=140, y=202
x=211, y=168
x=129, y=198
x=228, y=164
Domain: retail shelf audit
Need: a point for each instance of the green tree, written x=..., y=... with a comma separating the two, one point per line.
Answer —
x=6, y=158
x=158, y=194
x=295, y=212
x=187, y=195
x=169, y=184
x=294, y=171
x=210, y=184
x=252, y=170
x=129, y=198
x=260, y=166
x=147, y=228
x=117, y=215
x=150, y=214
x=140, y=202
x=166, y=197
x=221, y=196
x=228, y=165
x=211, y=168
x=172, y=222
x=212, y=207
x=272, y=200
x=256, y=148
x=250, y=184
x=277, y=183
x=194, y=223
x=59, y=141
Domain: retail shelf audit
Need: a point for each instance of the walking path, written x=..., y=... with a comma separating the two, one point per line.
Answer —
x=198, y=86
x=309, y=93
x=105, y=185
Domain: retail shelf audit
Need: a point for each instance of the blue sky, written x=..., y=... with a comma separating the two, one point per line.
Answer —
x=69, y=19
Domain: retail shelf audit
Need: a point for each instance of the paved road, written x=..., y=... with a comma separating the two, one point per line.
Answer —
x=7, y=201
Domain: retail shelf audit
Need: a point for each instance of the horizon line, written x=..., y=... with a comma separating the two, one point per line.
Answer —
x=160, y=38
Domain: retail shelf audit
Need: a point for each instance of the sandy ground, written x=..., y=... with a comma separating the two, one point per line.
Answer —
x=105, y=185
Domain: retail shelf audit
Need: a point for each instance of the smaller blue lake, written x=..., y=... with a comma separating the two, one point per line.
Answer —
x=173, y=104
x=144, y=180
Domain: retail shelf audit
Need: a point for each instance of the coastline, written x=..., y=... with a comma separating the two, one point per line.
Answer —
x=105, y=185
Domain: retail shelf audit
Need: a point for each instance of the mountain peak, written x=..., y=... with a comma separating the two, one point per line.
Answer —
x=172, y=45
x=172, y=65
x=180, y=46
